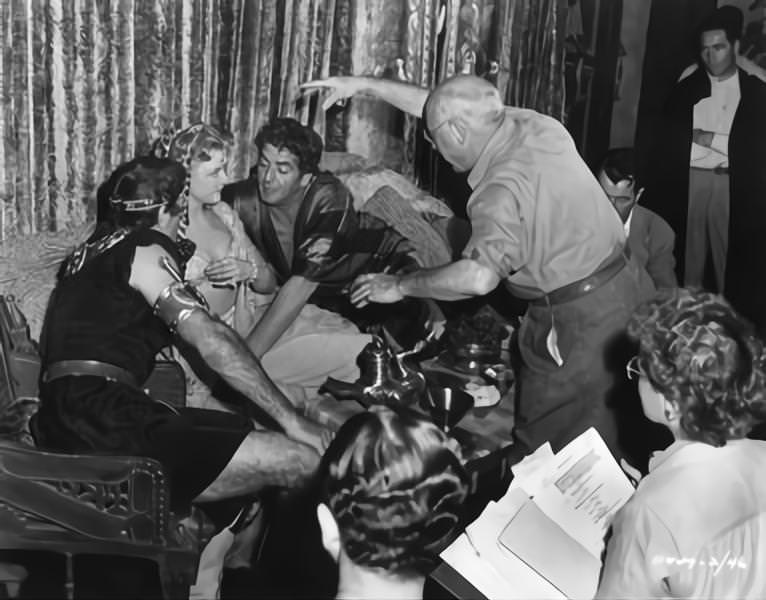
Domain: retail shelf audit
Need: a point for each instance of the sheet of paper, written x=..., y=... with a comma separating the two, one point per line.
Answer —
x=523, y=582
x=462, y=557
x=553, y=554
x=583, y=490
x=530, y=473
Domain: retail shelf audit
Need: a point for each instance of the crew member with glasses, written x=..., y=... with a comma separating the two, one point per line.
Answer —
x=695, y=526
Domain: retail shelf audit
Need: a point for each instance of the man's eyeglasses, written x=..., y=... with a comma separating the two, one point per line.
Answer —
x=633, y=369
x=427, y=134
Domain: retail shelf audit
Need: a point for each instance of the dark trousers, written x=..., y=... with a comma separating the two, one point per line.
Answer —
x=590, y=389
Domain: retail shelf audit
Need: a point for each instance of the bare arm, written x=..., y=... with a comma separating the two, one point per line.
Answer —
x=284, y=309
x=455, y=281
x=222, y=349
x=404, y=96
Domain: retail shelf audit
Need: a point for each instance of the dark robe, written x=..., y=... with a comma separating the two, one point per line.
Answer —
x=332, y=243
x=667, y=186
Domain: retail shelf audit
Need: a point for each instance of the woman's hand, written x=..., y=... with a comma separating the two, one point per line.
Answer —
x=230, y=270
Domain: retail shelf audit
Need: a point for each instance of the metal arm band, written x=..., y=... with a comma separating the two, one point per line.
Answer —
x=176, y=303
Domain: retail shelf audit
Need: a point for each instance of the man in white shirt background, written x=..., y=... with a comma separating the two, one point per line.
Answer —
x=707, y=175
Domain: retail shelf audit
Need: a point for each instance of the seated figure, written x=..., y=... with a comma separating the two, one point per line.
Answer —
x=392, y=486
x=238, y=282
x=118, y=301
x=304, y=222
x=650, y=238
x=695, y=526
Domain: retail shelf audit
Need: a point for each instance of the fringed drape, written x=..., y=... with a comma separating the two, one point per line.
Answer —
x=516, y=44
x=87, y=84
x=530, y=54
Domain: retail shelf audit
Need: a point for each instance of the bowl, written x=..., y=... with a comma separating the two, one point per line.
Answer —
x=446, y=405
x=480, y=352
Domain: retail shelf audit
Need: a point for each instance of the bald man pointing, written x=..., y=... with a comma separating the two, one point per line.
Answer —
x=542, y=224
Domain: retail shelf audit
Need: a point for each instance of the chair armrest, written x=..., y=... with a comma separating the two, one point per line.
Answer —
x=104, y=497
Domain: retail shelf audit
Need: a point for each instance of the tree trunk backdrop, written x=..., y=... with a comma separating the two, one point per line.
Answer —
x=88, y=84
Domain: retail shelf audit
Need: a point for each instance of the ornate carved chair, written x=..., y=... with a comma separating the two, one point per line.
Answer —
x=93, y=505
x=76, y=504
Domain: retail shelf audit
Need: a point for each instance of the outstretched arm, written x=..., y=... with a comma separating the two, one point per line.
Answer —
x=284, y=309
x=220, y=347
x=404, y=96
x=456, y=281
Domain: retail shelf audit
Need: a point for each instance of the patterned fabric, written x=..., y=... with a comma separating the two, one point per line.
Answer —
x=116, y=73
x=530, y=52
x=88, y=251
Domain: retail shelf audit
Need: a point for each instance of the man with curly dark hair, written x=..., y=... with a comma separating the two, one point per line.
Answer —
x=304, y=222
x=392, y=488
x=694, y=527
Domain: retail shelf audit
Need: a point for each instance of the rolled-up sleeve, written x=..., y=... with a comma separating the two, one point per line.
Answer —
x=498, y=232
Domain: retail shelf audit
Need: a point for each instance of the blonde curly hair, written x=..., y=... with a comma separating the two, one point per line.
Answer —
x=705, y=358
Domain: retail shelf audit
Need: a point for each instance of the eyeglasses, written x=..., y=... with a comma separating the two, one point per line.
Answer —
x=633, y=370
x=427, y=134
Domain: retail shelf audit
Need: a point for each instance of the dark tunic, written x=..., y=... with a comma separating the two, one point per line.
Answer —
x=667, y=184
x=96, y=315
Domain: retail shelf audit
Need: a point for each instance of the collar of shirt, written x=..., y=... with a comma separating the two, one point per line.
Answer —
x=731, y=82
x=501, y=135
x=626, y=224
x=683, y=452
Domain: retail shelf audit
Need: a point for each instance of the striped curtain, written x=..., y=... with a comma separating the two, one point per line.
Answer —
x=529, y=50
x=516, y=44
x=87, y=84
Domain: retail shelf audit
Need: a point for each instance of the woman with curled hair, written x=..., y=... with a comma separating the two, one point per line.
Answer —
x=696, y=526
x=392, y=487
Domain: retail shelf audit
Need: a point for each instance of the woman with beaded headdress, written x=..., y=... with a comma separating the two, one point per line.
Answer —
x=392, y=486
x=236, y=280
x=696, y=526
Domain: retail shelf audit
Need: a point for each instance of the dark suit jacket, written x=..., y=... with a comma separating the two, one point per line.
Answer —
x=667, y=186
x=651, y=242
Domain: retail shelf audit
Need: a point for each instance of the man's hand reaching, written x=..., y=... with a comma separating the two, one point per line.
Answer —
x=339, y=88
x=377, y=287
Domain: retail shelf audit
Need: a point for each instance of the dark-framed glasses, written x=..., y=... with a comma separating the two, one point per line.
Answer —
x=633, y=369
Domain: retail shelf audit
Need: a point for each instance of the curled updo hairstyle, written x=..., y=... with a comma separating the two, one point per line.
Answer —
x=394, y=483
x=701, y=355
x=136, y=191
x=301, y=141
x=197, y=142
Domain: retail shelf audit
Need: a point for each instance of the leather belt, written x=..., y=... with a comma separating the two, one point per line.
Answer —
x=65, y=368
x=716, y=170
x=586, y=285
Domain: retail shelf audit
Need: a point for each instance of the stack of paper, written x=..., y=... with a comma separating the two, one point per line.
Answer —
x=544, y=538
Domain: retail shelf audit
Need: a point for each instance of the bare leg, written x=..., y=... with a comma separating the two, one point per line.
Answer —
x=264, y=458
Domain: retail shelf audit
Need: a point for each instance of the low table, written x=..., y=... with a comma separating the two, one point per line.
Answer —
x=480, y=431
